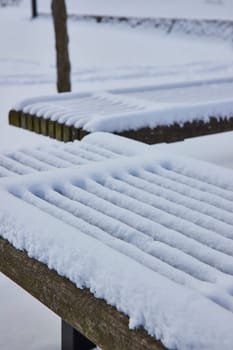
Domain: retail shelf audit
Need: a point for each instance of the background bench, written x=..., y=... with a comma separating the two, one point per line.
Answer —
x=151, y=114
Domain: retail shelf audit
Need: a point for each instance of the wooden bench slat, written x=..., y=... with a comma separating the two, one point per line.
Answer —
x=94, y=318
x=162, y=133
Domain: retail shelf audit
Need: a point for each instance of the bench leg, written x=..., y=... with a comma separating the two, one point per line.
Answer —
x=73, y=340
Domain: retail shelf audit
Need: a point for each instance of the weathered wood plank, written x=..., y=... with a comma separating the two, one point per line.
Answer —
x=51, y=129
x=162, y=133
x=30, y=122
x=67, y=133
x=94, y=318
x=14, y=118
x=37, y=124
x=176, y=132
x=59, y=131
x=23, y=121
x=44, y=126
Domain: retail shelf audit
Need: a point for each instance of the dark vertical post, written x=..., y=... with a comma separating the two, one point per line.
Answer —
x=34, y=9
x=73, y=340
x=59, y=14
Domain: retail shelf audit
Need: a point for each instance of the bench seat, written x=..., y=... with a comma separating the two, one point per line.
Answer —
x=149, y=236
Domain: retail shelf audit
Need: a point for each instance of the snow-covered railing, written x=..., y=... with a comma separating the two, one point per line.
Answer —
x=150, y=114
x=151, y=236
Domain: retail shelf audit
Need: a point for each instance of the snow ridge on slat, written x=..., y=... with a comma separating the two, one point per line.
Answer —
x=82, y=109
x=142, y=212
x=14, y=166
x=29, y=161
x=182, y=190
x=175, y=203
x=165, y=220
x=25, y=161
x=198, y=182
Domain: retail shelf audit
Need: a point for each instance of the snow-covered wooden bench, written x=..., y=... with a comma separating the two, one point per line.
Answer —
x=150, y=114
x=93, y=148
x=142, y=240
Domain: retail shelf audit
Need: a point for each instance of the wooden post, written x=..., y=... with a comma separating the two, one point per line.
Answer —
x=59, y=14
x=34, y=9
x=73, y=340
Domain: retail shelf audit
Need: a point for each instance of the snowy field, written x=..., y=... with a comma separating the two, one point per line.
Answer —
x=106, y=57
x=206, y=9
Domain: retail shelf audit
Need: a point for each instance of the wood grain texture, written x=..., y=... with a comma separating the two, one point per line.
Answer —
x=94, y=318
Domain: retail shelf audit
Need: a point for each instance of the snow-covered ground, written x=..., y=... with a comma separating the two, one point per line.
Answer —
x=108, y=57
x=206, y=9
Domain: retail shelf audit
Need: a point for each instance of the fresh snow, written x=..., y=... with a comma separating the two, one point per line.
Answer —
x=136, y=108
x=162, y=115
x=205, y=9
x=165, y=218
x=103, y=57
x=93, y=148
